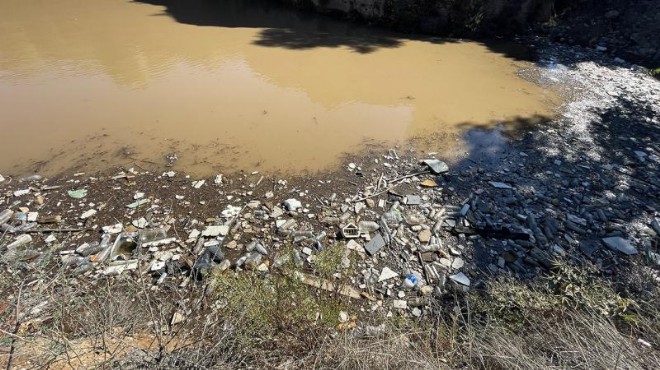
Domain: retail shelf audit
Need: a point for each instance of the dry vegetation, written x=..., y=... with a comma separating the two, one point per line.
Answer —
x=572, y=318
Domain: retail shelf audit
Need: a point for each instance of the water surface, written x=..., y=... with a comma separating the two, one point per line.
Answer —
x=231, y=85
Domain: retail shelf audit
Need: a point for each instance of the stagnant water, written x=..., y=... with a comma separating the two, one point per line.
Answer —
x=233, y=85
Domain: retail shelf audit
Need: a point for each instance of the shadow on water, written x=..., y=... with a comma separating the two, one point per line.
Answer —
x=282, y=26
x=298, y=29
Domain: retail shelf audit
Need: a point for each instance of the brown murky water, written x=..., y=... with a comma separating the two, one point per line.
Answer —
x=231, y=85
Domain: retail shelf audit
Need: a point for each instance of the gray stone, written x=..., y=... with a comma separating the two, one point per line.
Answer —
x=437, y=166
x=500, y=185
x=387, y=274
x=413, y=200
x=655, y=225
x=424, y=236
x=617, y=243
x=375, y=244
x=215, y=230
x=400, y=304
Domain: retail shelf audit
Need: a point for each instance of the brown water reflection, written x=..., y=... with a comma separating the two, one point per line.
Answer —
x=93, y=84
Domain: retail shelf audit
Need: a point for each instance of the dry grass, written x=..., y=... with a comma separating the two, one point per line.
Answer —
x=571, y=319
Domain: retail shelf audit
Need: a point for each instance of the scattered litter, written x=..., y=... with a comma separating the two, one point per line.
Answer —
x=77, y=194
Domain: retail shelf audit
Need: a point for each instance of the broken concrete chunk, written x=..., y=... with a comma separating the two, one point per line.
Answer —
x=121, y=266
x=215, y=230
x=387, y=274
x=178, y=318
x=88, y=214
x=400, y=304
x=112, y=229
x=375, y=244
x=458, y=263
x=500, y=185
x=231, y=211
x=619, y=244
x=413, y=200
x=437, y=166
x=424, y=236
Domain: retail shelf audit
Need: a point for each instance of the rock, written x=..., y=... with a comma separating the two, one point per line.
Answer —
x=617, y=243
x=426, y=290
x=292, y=204
x=655, y=225
x=387, y=274
x=2, y=178
x=224, y=265
x=461, y=278
x=231, y=211
x=424, y=236
x=113, y=229
x=375, y=244
x=218, y=180
x=198, y=184
x=399, y=304
x=343, y=316
x=118, y=268
x=436, y=166
x=500, y=185
x=140, y=223
x=458, y=263
x=178, y=318
x=157, y=265
x=417, y=312
x=215, y=230
x=88, y=214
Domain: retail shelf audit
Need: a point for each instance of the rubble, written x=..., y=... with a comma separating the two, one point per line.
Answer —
x=406, y=232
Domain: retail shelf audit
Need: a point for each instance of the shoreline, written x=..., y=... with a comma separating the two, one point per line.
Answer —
x=581, y=189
